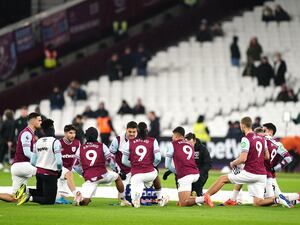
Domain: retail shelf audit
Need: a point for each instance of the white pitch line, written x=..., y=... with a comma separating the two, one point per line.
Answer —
x=111, y=192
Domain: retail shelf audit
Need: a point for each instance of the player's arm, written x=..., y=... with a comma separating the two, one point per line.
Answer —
x=109, y=157
x=57, y=153
x=125, y=156
x=169, y=157
x=157, y=155
x=26, y=139
x=77, y=166
x=33, y=156
x=287, y=159
x=245, y=146
x=114, y=146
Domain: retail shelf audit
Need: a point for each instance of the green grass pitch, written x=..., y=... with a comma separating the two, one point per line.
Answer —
x=101, y=211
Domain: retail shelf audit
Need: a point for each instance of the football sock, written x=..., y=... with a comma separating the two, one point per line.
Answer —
x=235, y=194
x=199, y=199
x=122, y=195
x=158, y=193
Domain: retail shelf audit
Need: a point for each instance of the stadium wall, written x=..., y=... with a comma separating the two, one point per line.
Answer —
x=171, y=31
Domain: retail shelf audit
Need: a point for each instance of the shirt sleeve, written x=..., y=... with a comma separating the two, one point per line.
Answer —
x=157, y=155
x=26, y=139
x=57, y=153
x=155, y=147
x=125, y=149
x=170, y=151
x=245, y=145
x=114, y=146
x=33, y=156
x=106, y=152
x=57, y=147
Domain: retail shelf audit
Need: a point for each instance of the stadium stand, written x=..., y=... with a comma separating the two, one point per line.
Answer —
x=195, y=78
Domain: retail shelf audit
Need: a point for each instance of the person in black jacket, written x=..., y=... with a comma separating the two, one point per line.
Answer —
x=154, y=125
x=127, y=62
x=142, y=58
x=203, y=161
x=124, y=108
x=7, y=134
x=235, y=52
x=78, y=123
x=264, y=72
x=279, y=70
x=280, y=14
x=21, y=122
x=57, y=99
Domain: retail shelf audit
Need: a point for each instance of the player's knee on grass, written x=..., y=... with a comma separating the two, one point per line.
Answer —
x=183, y=198
x=257, y=201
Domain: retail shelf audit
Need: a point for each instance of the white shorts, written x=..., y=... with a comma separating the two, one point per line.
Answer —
x=185, y=183
x=62, y=184
x=20, y=173
x=256, y=182
x=89, y=187
x=139, y=181
x=272, y=188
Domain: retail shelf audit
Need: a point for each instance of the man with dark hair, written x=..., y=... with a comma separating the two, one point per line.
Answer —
x=254, y=152
x=203, y=161
x=116, y=149
x=93, y=156
x=22, y=170
x=185, y=169
x=69, y=147
x=270, y=127
x=47, y=158
x=78, y=124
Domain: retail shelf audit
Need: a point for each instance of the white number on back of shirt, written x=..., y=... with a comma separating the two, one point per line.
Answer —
x=141, y=151
x=92, y=156
x=188, y=151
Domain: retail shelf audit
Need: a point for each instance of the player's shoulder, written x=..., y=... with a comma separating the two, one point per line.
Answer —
x=76, y=142
x=26, y=134
x=250, y=135
x=276, y=139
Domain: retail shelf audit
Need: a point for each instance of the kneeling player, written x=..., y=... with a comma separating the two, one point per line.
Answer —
x=116, y=150
x=93, y=156
x=185, y=168
x=22, y=170
x=279, y=158
x=142, y=155
x=254, y=153
x=69, y=147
